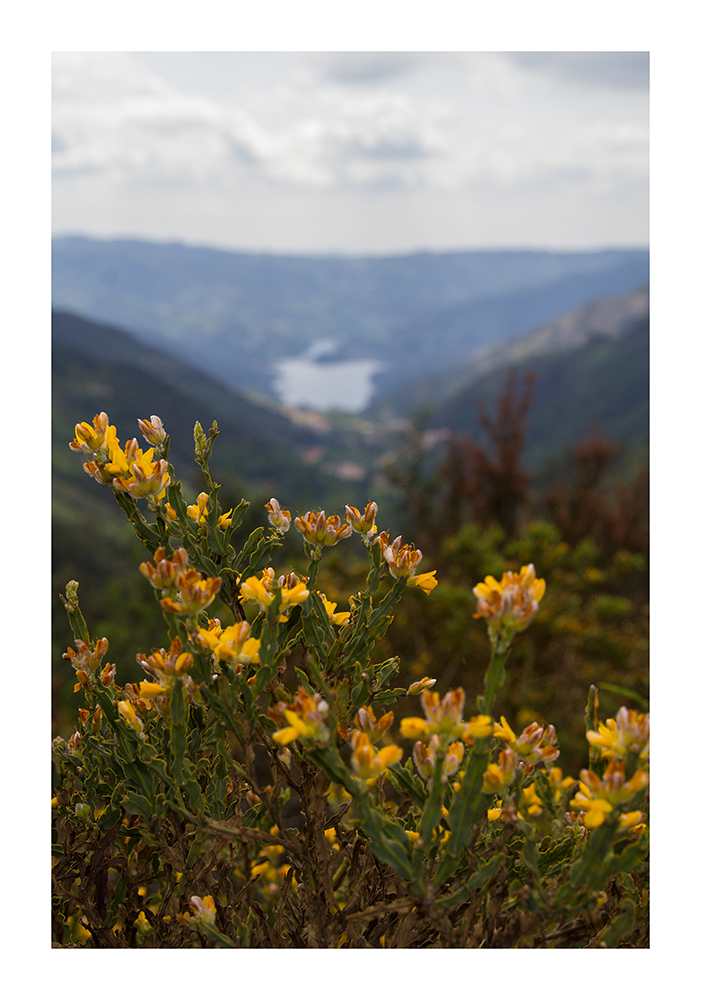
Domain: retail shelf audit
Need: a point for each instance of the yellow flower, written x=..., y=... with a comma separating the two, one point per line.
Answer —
x=262, y=591
x=534, y=745
x=426, y=757
x=367, y=762
x=305, y=717
x=402, y=560
x=375, y=728
x=423, y=685
x=233, y=643
x=149, y=689
x=164, y=663
x=279, y=519
x=198, y=512
x=498, y=777
x=336, y=618
x=318, y=530
x=142, y=923
x=424, y=581
x=478, y=727
x=511, y=604
x=90, y=439
x=628, y=733
x=413, y=728
x=148, y=478
x=363, y=523
x=205, y=912
x=599, y=796
x=195, y=594
x=531, y=803
x=164, y=574
x=126, y=710
x=153, y=430
x=258, y=591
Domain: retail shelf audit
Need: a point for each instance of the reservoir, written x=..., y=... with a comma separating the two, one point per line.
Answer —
x=325, y=385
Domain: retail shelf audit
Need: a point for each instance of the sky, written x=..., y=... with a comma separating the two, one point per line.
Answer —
x=353, y=152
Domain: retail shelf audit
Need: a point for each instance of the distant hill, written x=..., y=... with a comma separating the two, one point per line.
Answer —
x=237, y=314
x=604, y=382
x=451, y=337
x=97, y=367
x=602, y=317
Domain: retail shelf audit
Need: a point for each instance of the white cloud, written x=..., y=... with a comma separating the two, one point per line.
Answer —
x=471, y=126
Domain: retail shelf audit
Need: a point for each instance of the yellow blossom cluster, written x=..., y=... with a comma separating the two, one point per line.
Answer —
x=262, y=590
x=628, y=733
x=129, y=470
x=535, y=745
x=198, y=512
x=86, y=662
x=231, y=644
x=444, y=718
x=597, y=797
x=279, y=519
x=319, y=530
x=187, y=591
x=509, y=605
x=363, y=524
x=367, y=762
x=426, y=756
x=402, y=561
x=305, y=716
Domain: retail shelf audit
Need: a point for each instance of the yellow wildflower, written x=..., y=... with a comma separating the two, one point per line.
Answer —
x=153, y=430
x=305, y=717
x=375, y=728
x=367, y=762
x=233, y=643
x=363, y=523
x=205, y=912
x=279, y=519
x=443, y=716
x=424, y=581
x=534, y=745
x=198, y=512
x=599, y=796
x=531, y=804
x=142, y=923
x=262, y=591
x=423, y=685
x=498, y=777
x=165, y=573
x=628, y=733
x=90, y=439
x=336, y=617
x=163, y=663
x=426, y=756
x=149, y=689
x=126, y=710
x=511, y=604
x=318, y=530
x=195, y=593
x=148, y=478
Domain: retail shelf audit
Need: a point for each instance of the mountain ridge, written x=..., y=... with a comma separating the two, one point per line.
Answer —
x=238, y=314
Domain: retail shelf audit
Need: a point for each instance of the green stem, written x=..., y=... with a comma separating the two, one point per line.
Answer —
x=493, y=680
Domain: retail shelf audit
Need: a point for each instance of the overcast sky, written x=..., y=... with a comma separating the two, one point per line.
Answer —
x=365, y=152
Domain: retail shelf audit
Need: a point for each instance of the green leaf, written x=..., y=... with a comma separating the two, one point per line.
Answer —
x=475, y=881
x=622, y=925
x=137, y=804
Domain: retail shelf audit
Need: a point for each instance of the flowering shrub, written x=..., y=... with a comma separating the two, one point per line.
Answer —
x=254, y=791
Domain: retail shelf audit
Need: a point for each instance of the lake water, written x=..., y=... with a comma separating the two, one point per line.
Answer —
x=338, y=385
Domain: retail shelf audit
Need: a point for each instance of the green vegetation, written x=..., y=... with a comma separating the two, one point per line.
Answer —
x=253, y=790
